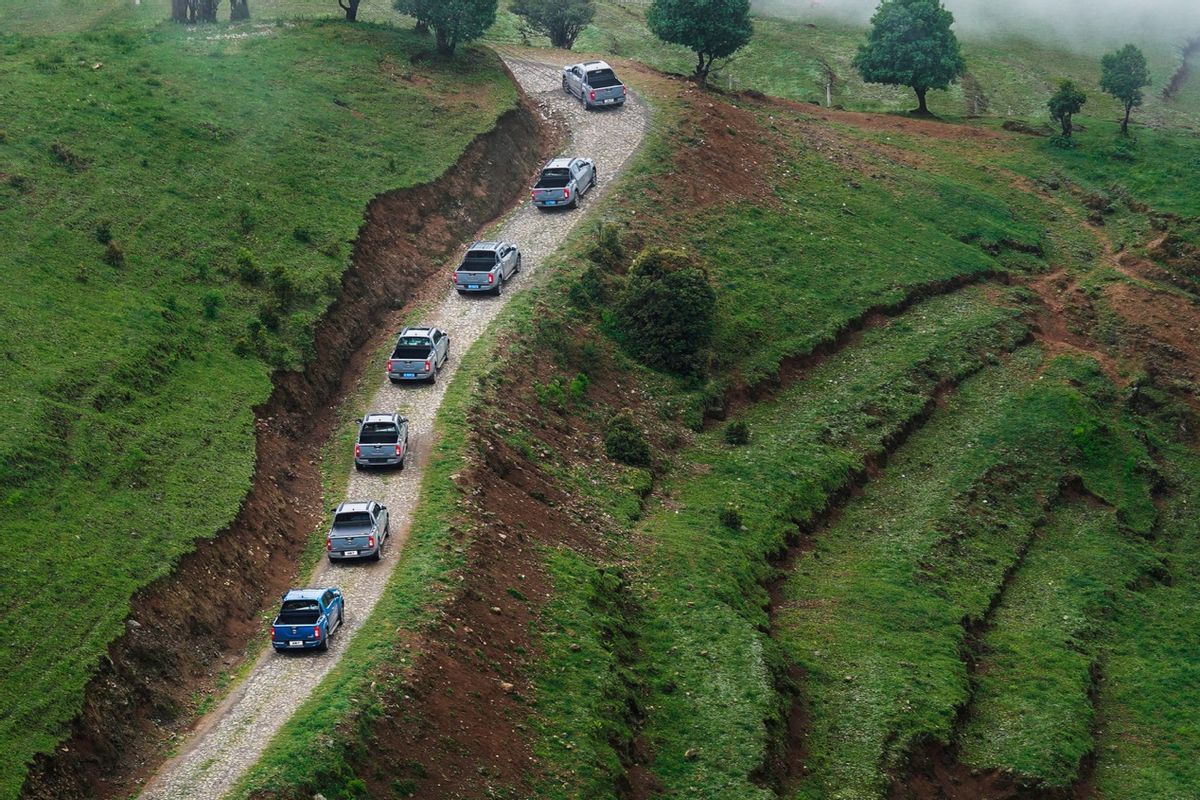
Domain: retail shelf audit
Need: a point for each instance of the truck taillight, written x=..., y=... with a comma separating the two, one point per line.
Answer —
x=533, y=195
x=389, y=366
x=624, y=90
x=274, y=632
x=329, y=545
x=358, y=451
x=370, y=541
x=399, y=449
x=491, y=278
x=567, y=193
x=317, y=632
x=428, y=366
x=592, y=94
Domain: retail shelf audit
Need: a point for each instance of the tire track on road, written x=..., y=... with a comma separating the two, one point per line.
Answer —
x=232, y=738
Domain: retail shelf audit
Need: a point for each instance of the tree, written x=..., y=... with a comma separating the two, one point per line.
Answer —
x=238, y=10
x=560, y=20
x=192, y=11
x=351, y=8
x=1066, y=101
x=453, y=21
x=1123, y=74
x=712, y=29
x=911, y=44
x=667, y=310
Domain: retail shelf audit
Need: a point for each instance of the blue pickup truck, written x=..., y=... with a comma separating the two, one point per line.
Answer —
x=307, y=618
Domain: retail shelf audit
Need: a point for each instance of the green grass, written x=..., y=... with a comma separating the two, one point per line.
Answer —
x=709, y=670
x=1148, y=738
x=233, y=174
x=875, y=613
x=1031, y=711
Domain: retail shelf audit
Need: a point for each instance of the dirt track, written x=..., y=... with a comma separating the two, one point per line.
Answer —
x=230, y=739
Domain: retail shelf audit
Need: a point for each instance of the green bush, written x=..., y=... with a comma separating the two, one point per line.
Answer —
x=114, y=254
x=737, y=433
x=607, y=251
x=212, y=302
x=578, y=387
x=624, y=441
x=667, y=310
x=731, y=517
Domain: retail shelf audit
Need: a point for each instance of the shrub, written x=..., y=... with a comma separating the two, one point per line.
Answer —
x=731, y=517
x=114, y=254
x=607, y=251
x=624, y=441
x=551, y=395
x=1062, y=142
x=578, y=387
x=667, y=310
x=103, y=233
x=212, y=302
x=248, y=269
x=68, y=158
x=302, y=235
x=21, y=183
x=737, y=433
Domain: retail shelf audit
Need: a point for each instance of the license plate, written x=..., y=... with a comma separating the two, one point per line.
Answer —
x=410, y=374
x=294, y=643
x=350, y=553
x=473, y=286
x=377, y=460
x=551, y=202
x=610, y=100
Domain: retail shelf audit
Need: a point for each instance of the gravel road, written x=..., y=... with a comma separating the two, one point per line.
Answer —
x=230, y=739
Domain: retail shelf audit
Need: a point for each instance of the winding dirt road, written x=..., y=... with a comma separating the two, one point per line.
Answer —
x=232, y=738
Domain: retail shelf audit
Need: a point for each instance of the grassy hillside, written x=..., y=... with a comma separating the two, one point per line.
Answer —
x=177, y=208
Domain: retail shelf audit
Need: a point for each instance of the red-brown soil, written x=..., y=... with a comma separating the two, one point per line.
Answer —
x=178, y=643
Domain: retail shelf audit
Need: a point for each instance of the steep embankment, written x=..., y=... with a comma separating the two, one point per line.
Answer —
x=180, y=642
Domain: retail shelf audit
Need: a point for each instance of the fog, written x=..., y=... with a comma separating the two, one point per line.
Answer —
x=1086, y=23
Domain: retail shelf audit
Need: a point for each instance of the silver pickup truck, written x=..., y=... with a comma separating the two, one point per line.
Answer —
x=486, y=266
x=382, y=441
x=595, y=84
x=562, y=182
x=358, y=531
x=418, y=355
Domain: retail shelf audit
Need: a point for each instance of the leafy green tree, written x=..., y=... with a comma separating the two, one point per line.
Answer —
x=1123, y=74
x=559, y=20
x=911, y=44
x=1066, y=101
x=454, y=22
x=666, y=311
x=712, y=29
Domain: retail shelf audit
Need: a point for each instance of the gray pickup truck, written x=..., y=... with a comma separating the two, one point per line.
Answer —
x=562, y=181
x=359, y=530
x=382, y=441
x=418, y=355
x=486, y=266
x=595, y=84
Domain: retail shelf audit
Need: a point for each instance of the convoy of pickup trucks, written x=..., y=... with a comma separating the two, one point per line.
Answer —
x=307, y=618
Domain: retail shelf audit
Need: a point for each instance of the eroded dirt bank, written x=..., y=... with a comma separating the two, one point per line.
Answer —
x=179, y=640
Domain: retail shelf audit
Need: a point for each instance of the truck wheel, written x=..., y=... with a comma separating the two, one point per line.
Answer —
x=324, y=645
x=433, y=376
x=394, y=380
x=566, y=86
x=499, y=290
x=592, y=185
x=518, y=267
x=358, y=467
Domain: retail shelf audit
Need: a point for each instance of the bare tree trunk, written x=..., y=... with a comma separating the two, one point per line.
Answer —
x=351, y=9
x=179, y=11
x=444, y=45
x=206, y=10
x=422, y=27
x=1125, y=122
x=239, y=10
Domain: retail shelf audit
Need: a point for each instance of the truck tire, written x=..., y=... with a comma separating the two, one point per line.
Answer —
x=324, y=645
x=518, y=269
x=592, y=185
x=433, y=375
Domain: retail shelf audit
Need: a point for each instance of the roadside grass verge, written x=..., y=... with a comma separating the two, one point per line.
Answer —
x=1031, y=711
x=877, y=613
x=177, y=211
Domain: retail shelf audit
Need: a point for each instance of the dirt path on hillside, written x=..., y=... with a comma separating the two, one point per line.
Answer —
x=231, y=739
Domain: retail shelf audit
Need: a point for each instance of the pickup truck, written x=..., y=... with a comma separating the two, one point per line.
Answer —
x=307, y=618
x=418, y=355
x=358, y=531
x=595, y=84
x=562, y=181
x=486, y=266
x=382, y=440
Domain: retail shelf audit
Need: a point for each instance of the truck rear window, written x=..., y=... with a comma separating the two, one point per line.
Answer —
x=478, y=261
x=554, y=178
x=352, y=518
x=379, y=433
x=602, y=79
x=299, y=612
x=412, y=341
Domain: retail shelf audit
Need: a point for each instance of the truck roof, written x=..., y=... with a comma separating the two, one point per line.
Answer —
x=589, y=65
x=558, y=163
x=353, y=505
x=305, y=594
x=417, y=332
x=485, y=245
x=381, y=417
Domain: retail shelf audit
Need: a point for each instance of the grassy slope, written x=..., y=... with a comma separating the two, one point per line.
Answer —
x=1032, y=707
x=127, y=428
